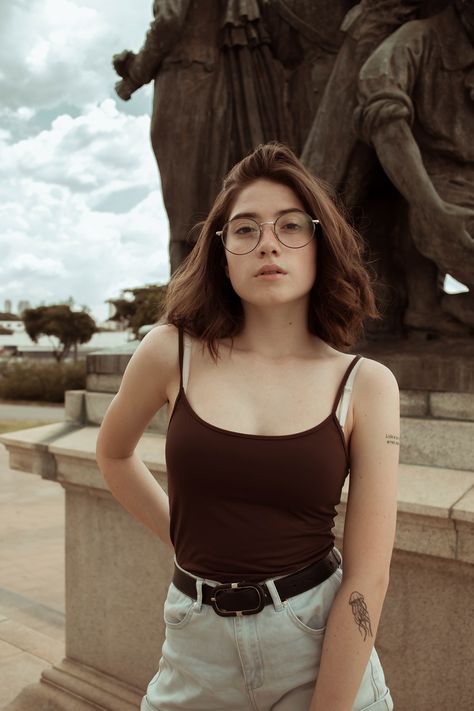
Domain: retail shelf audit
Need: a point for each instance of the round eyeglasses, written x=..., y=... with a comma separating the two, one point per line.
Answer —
x=293, y=229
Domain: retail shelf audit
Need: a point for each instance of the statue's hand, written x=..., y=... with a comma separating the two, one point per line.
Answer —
x=125, y=89
x=121, y=62
x=457, y=221
x=444, y=222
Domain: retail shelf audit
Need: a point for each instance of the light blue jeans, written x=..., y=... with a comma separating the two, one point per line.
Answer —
x=268, y=661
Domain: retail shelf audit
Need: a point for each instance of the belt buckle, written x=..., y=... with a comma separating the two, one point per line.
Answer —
x=241, y=586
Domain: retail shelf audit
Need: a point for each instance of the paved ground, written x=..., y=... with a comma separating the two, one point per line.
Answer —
x=31, y=568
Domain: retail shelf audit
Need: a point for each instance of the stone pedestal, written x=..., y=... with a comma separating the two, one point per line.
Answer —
x=117, y=572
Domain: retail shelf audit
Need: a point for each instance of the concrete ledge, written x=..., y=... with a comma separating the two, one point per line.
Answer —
x=72, y=451
x=414, y=403
x=96, y=405
x=106, y=383
x=427, y=365
x=435, y=512
x=70, y=686
x=74, y=406
x=93, y=686
x=452, y=405
x=437, y=442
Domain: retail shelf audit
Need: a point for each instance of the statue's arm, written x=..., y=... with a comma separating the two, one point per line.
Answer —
x=386, y=112
x=385, y=116
x=401, y=159
x=139, y=69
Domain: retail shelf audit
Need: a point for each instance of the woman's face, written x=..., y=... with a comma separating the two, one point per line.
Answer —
x=264, y=201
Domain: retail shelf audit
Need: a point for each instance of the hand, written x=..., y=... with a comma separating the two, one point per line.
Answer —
x=440, y=226
x=125, y=88
x=121, y=62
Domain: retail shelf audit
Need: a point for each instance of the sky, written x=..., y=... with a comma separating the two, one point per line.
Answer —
x=81, y=211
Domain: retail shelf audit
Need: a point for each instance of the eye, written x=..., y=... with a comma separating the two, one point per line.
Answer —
x=291, y=226
x=242, y=228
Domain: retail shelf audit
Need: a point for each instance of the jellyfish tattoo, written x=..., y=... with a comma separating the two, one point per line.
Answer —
x=361, y=614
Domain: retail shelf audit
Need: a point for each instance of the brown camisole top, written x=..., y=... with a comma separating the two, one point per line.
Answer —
x=250, y=507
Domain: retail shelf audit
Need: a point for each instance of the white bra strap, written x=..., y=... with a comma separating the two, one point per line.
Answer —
x=343, y=407
x=186, y=359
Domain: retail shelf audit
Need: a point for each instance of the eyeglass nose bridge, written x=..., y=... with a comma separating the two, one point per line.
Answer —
x=260, y=224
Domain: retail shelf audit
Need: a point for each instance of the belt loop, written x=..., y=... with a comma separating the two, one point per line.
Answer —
x=277, y=602
x=198, y=603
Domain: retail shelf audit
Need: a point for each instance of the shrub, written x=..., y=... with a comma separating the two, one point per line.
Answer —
x=42, y=382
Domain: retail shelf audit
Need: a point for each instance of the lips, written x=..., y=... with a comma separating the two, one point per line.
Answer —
x=270, y=269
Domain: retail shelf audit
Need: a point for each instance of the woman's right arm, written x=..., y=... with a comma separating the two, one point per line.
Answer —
x=143, y=391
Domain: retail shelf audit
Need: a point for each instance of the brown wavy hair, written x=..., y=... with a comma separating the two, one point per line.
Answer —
x=200, y=297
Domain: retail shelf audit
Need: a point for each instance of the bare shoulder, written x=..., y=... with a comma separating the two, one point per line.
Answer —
x=373, y=373
x=155, y=360
x=374, y=382
x=161, y=344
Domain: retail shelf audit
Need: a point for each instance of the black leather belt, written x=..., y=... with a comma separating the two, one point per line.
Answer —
x=246, y=598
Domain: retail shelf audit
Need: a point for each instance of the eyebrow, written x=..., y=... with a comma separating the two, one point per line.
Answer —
x=255, y=215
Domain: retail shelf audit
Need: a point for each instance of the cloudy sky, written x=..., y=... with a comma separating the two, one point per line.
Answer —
x=80, y=202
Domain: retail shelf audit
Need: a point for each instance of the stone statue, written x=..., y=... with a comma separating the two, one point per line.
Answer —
x=306, y=39
x=416, y=107
x=334, y=152
x=346, y=85
x=364, y=27
x=218, y=92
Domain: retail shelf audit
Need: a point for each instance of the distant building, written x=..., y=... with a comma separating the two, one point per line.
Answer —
x=22, y=305
x=10, y=321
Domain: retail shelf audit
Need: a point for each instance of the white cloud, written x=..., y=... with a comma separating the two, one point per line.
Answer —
x=59, y=51
x=102, y=149
x=30, y=264
x=56, y=232
x=81, y=211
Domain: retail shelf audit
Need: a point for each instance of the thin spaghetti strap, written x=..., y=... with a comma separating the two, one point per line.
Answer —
x=186, y=360
x=343, y=382
x=180, y=339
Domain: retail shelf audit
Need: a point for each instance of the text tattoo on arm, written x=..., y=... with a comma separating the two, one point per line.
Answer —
x=392, y=439
x=361, y=614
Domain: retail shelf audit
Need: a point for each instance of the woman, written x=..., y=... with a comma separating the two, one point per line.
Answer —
x=261, y=436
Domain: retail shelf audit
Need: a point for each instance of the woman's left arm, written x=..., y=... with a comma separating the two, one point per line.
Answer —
x=369, y=533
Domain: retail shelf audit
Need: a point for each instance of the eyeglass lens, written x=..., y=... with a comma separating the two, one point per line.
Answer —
x=293, y=229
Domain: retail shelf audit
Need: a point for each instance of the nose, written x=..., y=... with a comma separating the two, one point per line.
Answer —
x=268, y=239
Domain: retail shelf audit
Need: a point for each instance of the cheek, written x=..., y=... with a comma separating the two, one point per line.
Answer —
x=310, y=265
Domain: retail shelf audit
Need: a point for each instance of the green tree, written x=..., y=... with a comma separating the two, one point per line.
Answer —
x=146, y=307
x=69, y=327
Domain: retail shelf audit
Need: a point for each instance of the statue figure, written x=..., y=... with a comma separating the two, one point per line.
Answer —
x=306, y=39
x=334, y=152
x=218, y=92
x=365, y=26
x=229, y=74
x=416, y=107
